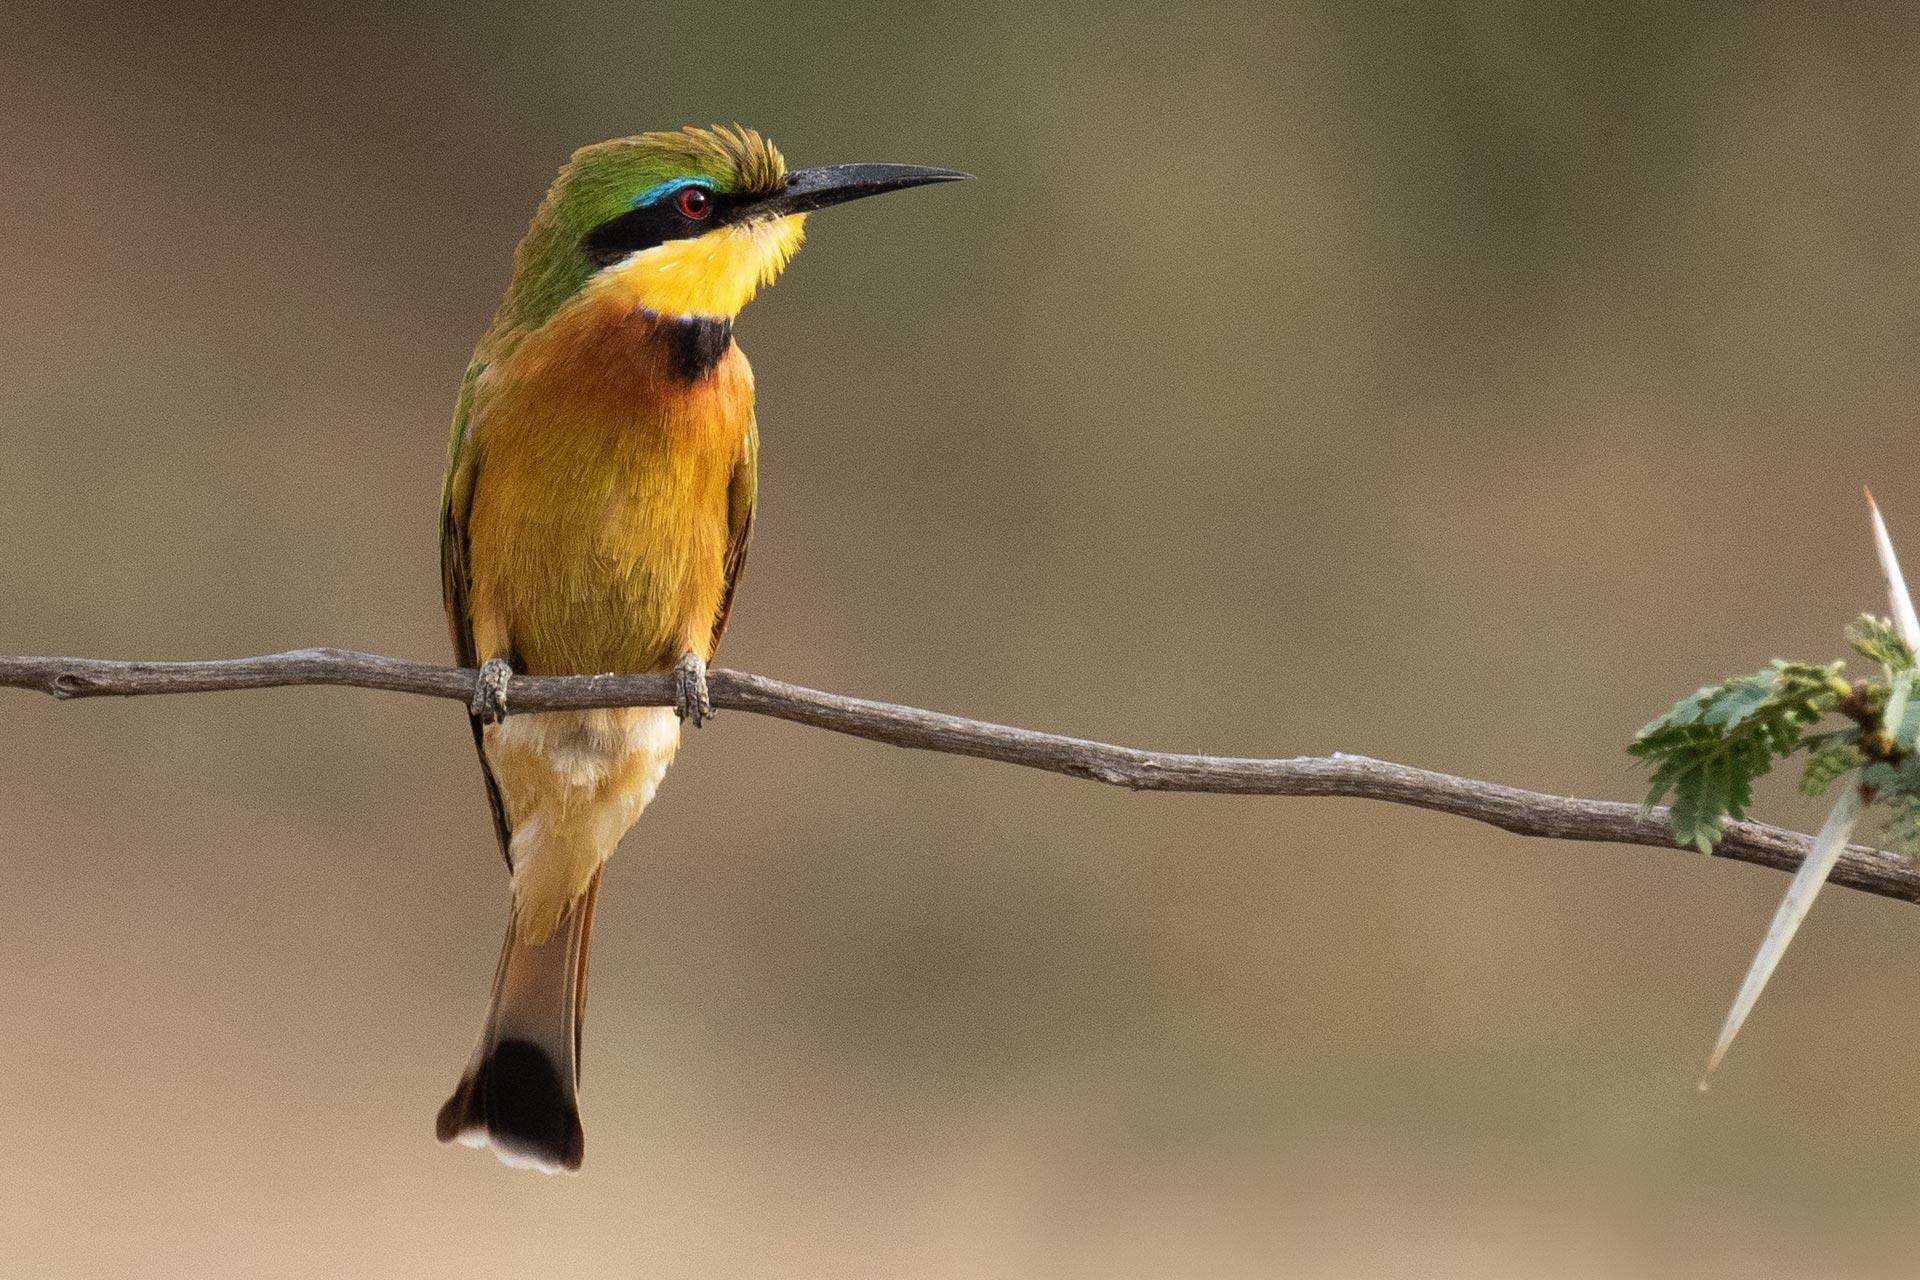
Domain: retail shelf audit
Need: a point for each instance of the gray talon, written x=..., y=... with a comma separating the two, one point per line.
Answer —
x=489, y=703
x=690, y=690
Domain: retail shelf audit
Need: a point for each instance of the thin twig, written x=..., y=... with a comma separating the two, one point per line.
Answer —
x=1527, y=813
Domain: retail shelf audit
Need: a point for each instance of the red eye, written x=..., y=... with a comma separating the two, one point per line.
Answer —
x=694, y=202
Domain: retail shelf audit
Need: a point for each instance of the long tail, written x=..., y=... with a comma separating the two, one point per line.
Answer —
x=518, y=1093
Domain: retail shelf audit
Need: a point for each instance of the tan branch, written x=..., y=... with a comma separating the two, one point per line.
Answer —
x=1527, y=813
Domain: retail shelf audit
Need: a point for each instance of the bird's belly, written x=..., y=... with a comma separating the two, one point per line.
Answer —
x=617, y=565
x=621, y=584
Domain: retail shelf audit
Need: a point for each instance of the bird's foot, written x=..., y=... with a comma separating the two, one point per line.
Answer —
x=489, y=705
x=690, y=689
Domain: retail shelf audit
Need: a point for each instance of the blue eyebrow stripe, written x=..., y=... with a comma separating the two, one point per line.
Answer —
x=666, y=188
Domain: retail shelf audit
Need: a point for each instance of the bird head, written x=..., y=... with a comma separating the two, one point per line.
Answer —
x=689, y=222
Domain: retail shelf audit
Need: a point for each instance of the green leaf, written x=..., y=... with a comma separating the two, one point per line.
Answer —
x=1903, y=827
x=1884, y=778
x=1876, y=640
x=1709, y=748
x=1738, y=700
x=1827, y=762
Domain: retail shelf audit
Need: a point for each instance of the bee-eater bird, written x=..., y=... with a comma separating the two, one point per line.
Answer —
x=598, y=502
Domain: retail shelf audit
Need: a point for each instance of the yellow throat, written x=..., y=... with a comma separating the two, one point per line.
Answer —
x=715, y=274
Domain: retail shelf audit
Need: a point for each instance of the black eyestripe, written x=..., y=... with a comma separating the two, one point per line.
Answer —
x=647, y=225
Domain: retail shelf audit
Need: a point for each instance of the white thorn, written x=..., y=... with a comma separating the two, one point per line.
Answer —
x=1827, y=847
x=1904, y=620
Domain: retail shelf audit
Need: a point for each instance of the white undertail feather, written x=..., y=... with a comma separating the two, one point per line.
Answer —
x=574, y=782
x=1837, y=830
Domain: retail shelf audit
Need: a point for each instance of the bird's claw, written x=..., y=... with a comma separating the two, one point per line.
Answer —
x=690, y=690
x=489, y=705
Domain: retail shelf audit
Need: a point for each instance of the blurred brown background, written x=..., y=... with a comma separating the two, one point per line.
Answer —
x=1455, y=384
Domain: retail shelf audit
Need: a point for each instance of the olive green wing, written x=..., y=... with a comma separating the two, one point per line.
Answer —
x=743, y=492
x=456, y=577
x=456, y=501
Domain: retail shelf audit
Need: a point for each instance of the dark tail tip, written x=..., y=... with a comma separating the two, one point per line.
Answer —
x=517, y=1103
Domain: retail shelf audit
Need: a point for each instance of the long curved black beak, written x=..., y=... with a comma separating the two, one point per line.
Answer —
x=808, y=189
